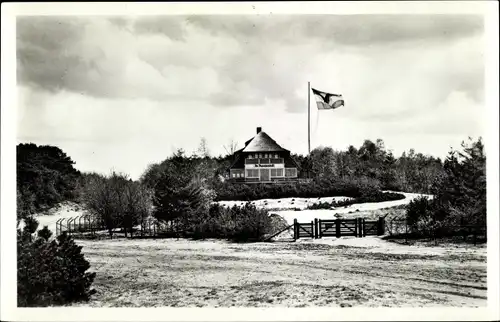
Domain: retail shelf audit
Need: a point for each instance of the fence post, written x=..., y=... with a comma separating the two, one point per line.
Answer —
x=295, y=235
x=316, y=228
x=381, y=226
x=69, y=225
x=406, y=230
x=337, y=228
x=475, y=235
x=364, y=227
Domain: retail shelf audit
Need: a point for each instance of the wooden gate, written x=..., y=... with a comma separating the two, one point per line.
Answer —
x=373, y=227
x=338, y=227
x=303, y=230
x=327, y=228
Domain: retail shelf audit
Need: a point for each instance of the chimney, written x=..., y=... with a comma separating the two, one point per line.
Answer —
x=259, y=129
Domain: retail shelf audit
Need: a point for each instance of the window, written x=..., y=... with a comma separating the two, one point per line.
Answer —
x=260, y=155
x=276, y=156
x=250, y=156
x=290, y=172
x=252, y=173
x=236, y=173
x=276, y=172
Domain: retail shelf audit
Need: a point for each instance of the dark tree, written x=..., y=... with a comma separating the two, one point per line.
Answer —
x=45, y=176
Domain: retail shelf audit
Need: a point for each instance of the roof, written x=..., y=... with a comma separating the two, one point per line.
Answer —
x=262, y=143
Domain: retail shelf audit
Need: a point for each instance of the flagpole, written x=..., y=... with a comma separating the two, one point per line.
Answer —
x=309, y=117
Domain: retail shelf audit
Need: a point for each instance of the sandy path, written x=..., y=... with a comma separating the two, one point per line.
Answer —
x=66, y=210
x=308, y=273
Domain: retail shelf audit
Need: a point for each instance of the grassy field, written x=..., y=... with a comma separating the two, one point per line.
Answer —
x=338, y=272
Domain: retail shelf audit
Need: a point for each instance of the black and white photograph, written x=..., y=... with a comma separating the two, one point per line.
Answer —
x=268, y=157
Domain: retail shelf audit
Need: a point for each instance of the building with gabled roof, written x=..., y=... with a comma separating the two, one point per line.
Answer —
x=262, y=160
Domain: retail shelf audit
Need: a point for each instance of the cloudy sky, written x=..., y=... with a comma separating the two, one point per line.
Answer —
x=122, y=92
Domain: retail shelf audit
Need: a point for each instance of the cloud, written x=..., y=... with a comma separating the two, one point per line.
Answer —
x=232, y=60
x=106, y=85
x=170, y=26
x=343, y=29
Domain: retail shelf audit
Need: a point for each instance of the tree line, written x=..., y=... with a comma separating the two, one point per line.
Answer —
x=182, y=187
x=373, y=163
x=459, y=195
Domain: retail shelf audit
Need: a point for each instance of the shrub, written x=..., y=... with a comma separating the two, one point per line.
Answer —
x=245, y=223
x=320, y=205
x=321, y=188
x=251, y=224
x=420, y=216
x=51, y=273
x=369, y=196
x=31, y=225
x=45, y=233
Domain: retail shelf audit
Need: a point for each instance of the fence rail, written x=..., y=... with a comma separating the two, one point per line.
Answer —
x=399, y=227
x=87, y=225
x=320, y=228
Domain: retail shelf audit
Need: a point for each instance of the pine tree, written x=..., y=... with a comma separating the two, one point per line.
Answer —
x=461, y=192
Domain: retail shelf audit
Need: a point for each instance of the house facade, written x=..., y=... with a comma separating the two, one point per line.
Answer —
x=262, y=160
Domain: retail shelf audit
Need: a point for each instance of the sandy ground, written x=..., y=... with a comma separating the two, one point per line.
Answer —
x=328, y=272
x=64, y=210
x=331, y=272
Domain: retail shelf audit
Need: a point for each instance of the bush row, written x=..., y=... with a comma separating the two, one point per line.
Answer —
x=314, y=189
x=246, y=223
x=372, y=196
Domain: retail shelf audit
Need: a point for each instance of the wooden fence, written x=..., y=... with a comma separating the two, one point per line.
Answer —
x=320, y=228
x=398, y=227
x=89, y=226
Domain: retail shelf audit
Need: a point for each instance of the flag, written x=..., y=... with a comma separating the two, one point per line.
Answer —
x=327, y=101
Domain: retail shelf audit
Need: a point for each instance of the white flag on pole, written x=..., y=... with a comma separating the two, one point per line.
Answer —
x=327, y=101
